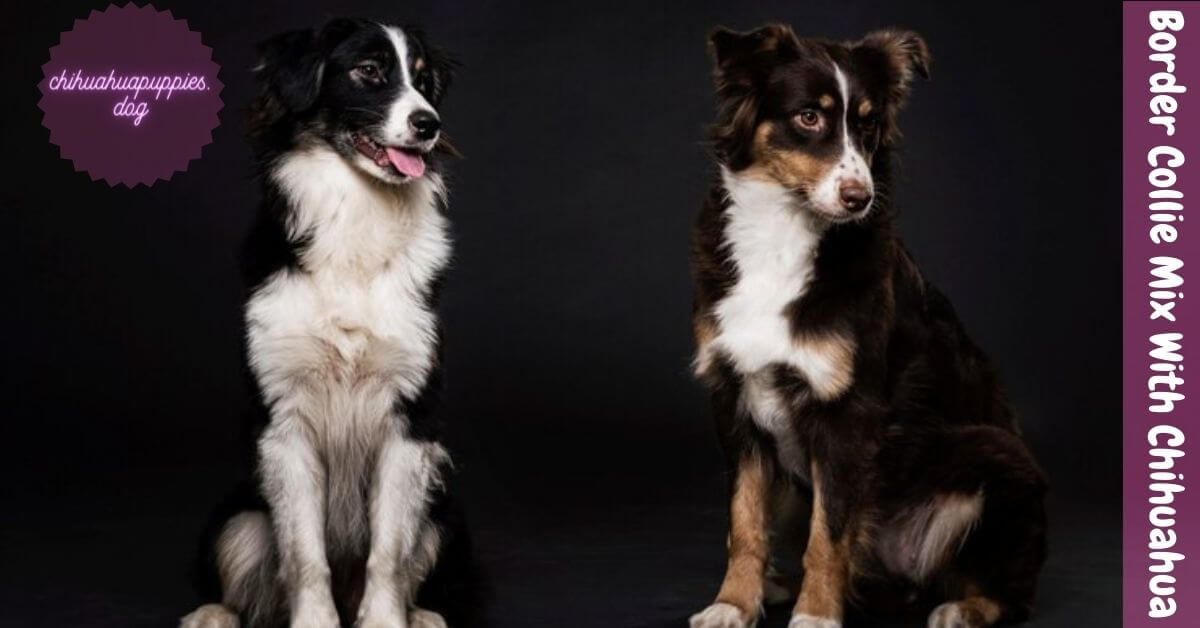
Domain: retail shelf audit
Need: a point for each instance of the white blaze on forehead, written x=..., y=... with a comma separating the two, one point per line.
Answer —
x=851, y=166
x=851, y=158
x=409, y=100
x=400, y=43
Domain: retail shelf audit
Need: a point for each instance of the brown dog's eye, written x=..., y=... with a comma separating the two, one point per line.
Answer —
x=809, y=119
x=869, y=124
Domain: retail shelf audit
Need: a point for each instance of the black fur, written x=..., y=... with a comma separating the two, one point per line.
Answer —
x=304, y=98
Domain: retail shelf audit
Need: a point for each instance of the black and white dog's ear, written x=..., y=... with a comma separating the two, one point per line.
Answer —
x=290, y=68
x=292, y=64
x=442, y=67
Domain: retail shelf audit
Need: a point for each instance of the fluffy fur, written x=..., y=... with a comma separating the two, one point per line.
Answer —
x=837, y=372
x=342, y=340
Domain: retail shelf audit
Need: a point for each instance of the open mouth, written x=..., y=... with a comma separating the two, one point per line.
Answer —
x=409, y=162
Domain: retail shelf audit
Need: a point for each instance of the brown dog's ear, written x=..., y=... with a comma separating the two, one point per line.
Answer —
x=898, y=55
x=905, y=52
x=736, y=53
x=742, y=62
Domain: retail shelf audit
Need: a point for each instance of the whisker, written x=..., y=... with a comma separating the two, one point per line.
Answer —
x=364, y=110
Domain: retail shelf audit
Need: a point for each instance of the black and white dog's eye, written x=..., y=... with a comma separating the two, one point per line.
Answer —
x=869, y=123
x=368, y=71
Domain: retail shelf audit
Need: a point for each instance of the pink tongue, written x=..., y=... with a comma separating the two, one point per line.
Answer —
x=407, y=163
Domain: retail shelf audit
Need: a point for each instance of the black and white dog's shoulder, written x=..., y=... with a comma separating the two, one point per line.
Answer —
x=342, y=336
x=837, y=372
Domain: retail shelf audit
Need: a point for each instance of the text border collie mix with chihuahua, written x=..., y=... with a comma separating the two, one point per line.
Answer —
x=836, y=371
x=342, y=337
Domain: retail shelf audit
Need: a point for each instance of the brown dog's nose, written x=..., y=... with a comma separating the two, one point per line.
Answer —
x=854, y=196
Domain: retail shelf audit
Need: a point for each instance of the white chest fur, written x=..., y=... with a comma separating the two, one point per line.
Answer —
x=352, y=327
x=773, y=243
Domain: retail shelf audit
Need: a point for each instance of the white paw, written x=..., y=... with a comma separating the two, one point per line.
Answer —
x=951, y=615
x=315, y=616
x=210, y=616
x=380, y=609
x=395, y=621
x=421, y=618
x=802, y=620
x=377, y=618
x=720, y=615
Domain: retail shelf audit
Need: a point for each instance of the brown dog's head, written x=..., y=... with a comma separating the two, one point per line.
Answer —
x=811, y=115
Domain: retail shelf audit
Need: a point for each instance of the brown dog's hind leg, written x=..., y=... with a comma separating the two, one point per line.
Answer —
x=993, y=577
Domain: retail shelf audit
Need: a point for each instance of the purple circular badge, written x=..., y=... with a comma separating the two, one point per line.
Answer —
x=130, y=95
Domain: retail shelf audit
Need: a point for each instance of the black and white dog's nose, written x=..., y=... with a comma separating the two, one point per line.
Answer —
x=425, y=124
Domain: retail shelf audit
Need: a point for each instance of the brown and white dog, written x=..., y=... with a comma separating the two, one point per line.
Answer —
x=837, y=372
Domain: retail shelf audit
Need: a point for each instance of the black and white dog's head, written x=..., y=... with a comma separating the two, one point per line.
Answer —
x=812, y=115
x=368, y=90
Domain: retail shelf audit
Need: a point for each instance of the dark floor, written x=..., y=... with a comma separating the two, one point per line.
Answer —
x=115, y=553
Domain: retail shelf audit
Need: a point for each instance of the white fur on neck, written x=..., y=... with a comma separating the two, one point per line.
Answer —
x=353, y=220
x=773, y=241
x=358, y=308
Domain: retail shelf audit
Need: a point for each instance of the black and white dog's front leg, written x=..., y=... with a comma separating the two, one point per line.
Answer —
x=404, y=543
x=294, y=482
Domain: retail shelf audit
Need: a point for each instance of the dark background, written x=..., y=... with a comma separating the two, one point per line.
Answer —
x=586, y=457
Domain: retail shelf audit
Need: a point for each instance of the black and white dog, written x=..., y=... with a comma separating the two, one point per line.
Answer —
x=342, y=337
x=839, y=374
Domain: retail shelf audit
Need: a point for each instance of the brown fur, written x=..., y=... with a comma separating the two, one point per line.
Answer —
x=826, y=564
x=792, y=169
x=744, y=576
x=838, y=349
x=906, y=54
x=915, y=410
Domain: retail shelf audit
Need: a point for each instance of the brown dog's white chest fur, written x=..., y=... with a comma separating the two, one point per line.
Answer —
x=773, y=242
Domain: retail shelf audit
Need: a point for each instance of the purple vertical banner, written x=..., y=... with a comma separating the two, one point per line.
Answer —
x=1161, y=162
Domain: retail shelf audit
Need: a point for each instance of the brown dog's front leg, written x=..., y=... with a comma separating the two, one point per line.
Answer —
x=740, y=599
x=826, y=567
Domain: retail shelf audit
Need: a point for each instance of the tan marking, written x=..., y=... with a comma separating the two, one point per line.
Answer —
x=776, y=35
x=990, y=610
x=837, y=351
x=826, y=564
x=864, y=108
x=419, y=64
x=826, y=101
x=746, y=570
x=705, y=330
x=975, y=611
x=789, y=168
